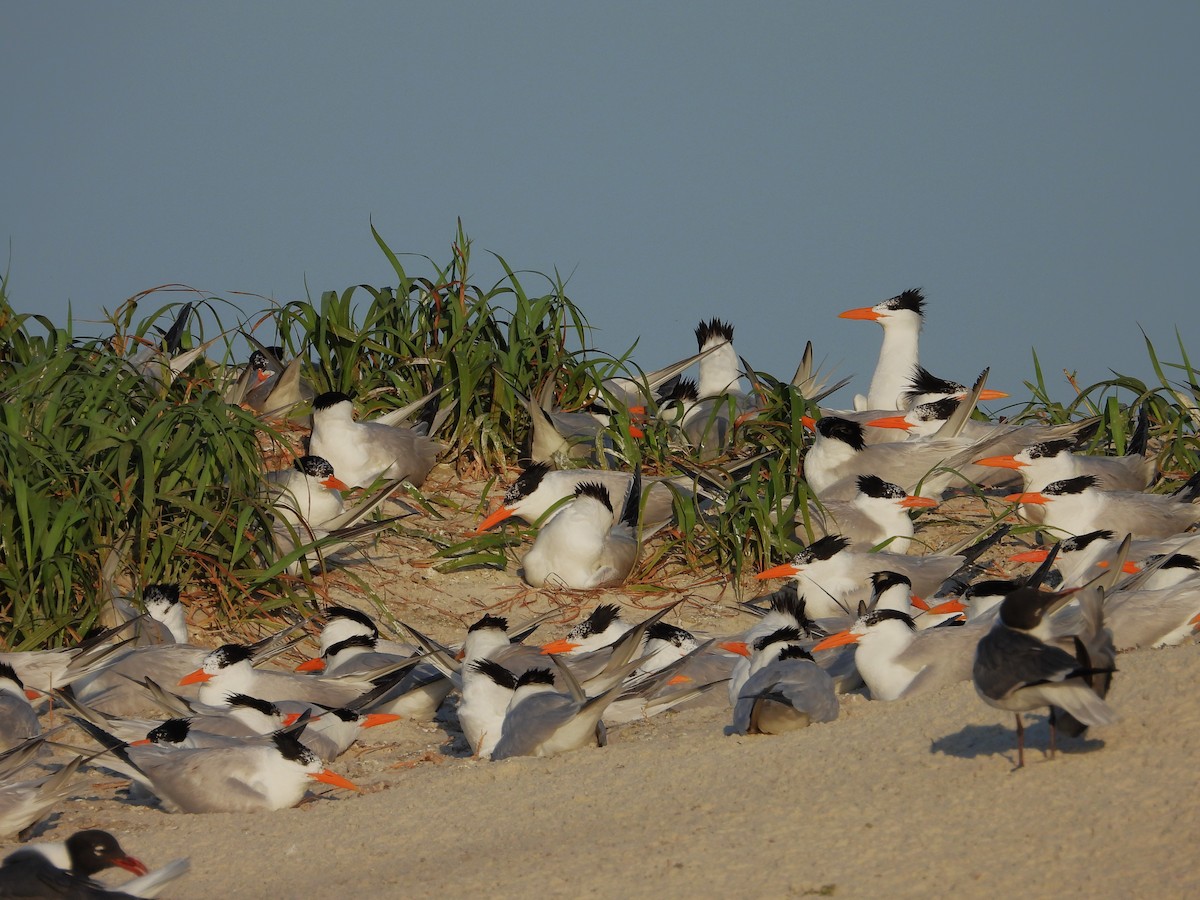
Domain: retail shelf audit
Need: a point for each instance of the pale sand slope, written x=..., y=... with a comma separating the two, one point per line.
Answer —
x=915, y=798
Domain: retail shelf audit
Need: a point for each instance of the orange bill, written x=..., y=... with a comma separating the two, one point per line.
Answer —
x=316, y=664
x=1034, y=497
x=679, y=679
x=914, y=502
x=866, y=313
x=195, y=677
x=891, y=422
x=918, y=603
x=1037, y=555
x=738, y=647
x=501, y=513
x=1129, y=567
x=290, y=718
x=809, y=422
x=31, y=694
x=1000, y=462
x=328, y=777
x=989, y=394
x=948, y=607
x=840, y=639
x=374, y=719
x=335, y=484
x=785, y=570
x=636, y=432
x=562, y=645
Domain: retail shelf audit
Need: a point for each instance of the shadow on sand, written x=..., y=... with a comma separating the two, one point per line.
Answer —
x=974, y=741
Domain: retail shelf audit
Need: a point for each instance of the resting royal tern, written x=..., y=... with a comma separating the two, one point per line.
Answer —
x=901, y=317
x=1017, y=669
x=840, y=454
x=539, y=488
x=308, y=491
x=898, y=661
x=24, y=803
x=360, y=452
x=879, y=511
x=18, y=721
x=487, y=690
x=786, y=690
x=1080, y=555
x=581, y=547
x=261, y=774
x=1048, y=461
x=925, y=387
x=1077, y=506
x=540, y=721
x=834, y=578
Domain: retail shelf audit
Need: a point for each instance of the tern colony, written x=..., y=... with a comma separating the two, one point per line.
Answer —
x=861, y=607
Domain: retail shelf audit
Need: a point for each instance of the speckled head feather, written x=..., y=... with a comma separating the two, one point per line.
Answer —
x=230, y=654
x=260, y=362
x=1049, y=449
x=527, y=482
x=911, y=299
x=172, y=731
x=671, y=634
x=937, y=410
x=314, y=467
x=874, y=486
x=601, y=618
x=596, y=491
x=328, y=399
x=1076, y=485
x=714, y=330
x=290, y=748
x=838, y=429
x=824, y=548
x=489, y=621
x=882, y=615
x=1082, y=541
x=165, y=593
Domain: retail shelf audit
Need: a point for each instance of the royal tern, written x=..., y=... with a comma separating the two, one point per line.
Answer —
x=901, y=318
x=18, y=721
x=1044, y=462
x=708, y=423
x=786, y=689
x=897, y=661
x=581, y=547
x=834, y=578
x=878, y=512
x=539, y=488
x=24, y=803
x=361, y=452
x=1077, y=506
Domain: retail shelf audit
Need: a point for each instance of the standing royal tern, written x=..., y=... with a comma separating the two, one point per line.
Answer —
x=581, y=547
x=1018, y=669
x=901, y=318
x=786, y=690
x=721, y=401
x=1044, y=462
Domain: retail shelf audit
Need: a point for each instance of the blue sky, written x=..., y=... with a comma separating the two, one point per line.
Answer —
x=1030, y=165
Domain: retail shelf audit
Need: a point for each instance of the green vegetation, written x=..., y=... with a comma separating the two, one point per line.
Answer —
x=112, y=473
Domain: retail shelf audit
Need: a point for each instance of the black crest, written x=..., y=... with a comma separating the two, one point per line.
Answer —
x=1076, y=485
x=912, y=300
x=711, y=331
x=824, y=548
x=535, y=676
x=874, y=486
x=354, y=615
x=882, y=581
x=489, y=621
x=169, y=593
x=289, y=747
x=527, y=482
x=314, y=466
x=1048, y=449
x=671, y=634
x=328, y=399
x=172, y=731
x=795, y=651
x=496, y=672
x=601, y=618
x=229, y=654
x=596, y=491
x=882, y=615
x=266, y=707
x=787, y=634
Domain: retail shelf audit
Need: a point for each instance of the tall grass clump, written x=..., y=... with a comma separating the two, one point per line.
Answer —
x=108, y=475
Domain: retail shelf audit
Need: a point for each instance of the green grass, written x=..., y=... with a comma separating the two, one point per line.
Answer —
x=109, y=478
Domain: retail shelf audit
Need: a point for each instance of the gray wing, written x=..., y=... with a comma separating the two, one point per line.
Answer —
x=532, y=722
x=1006, y=661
